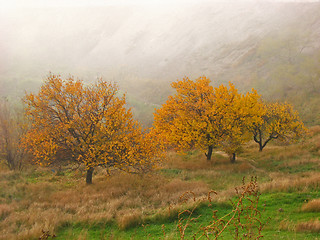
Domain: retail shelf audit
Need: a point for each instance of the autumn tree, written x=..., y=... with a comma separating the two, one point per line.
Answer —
x=278, y=121
x=247, y=110
x=72, y=122
x=175, y=121
x=200, y=116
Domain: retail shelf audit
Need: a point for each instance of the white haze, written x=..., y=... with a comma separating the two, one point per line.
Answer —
x=148, y=39
x=77, y=3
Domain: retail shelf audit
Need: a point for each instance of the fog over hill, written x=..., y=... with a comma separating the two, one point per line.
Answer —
x=137, y=45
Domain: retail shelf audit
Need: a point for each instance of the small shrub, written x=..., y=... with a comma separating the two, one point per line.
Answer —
x=243, y=222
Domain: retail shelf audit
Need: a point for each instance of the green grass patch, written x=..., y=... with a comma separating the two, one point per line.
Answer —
x=300, y=168
x=168, y=172
x=280, y=210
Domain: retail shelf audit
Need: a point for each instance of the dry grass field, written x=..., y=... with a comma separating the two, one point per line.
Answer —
x=41, y=199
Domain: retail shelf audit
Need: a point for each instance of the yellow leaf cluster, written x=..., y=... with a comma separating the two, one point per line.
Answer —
x=88, y=124
x=278, y=121
x=200, y=116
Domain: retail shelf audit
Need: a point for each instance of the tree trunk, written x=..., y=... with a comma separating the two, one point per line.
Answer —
x=233, y=158
x=89, y=175
x=260, y=147
x=209, y=154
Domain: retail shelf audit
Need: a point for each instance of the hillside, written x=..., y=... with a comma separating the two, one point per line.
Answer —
x=129, y=206
x=270, y=46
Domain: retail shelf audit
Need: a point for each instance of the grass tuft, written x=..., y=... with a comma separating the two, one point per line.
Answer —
x=312, y=206
x=309, y=226
x=5, y=211
x=129, y=218
x=293, y=183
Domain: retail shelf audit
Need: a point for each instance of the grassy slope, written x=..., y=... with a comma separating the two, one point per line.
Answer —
x=115, y=207
x=281, y=226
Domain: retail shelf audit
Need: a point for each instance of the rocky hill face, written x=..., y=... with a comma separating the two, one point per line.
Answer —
x=254, y=44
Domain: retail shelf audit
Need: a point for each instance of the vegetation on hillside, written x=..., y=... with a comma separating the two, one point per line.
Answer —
x=89, y=125
x=283, y=66
x=12, y=129
x=117, y=204
x=157, y=168
x=68, y=122
x=202, y=117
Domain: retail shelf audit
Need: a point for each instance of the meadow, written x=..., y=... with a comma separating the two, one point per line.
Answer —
x=46, y=203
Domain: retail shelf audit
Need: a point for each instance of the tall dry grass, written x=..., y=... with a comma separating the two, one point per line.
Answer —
x=309, y=226
x=290, y=183
x=195, y=161
x=314, y=139
x=123, y=198
x=31, y=202
x=312, y=206
x=314, y=130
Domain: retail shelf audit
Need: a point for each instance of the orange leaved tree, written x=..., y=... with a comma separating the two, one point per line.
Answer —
x=86, y=124
x=244, y=111
x=278, y=121
x=204, y=117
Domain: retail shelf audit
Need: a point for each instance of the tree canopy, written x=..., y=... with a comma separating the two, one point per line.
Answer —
x=204, y=117
x=86, y=124
x=278, y=121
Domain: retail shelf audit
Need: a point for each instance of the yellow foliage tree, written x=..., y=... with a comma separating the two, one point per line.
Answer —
x=86, y=124
x=246, y=110
x=204, y=117
x=278, y=121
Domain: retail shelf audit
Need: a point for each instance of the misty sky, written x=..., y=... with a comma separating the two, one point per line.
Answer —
x=57, y=3
x=180, y=37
